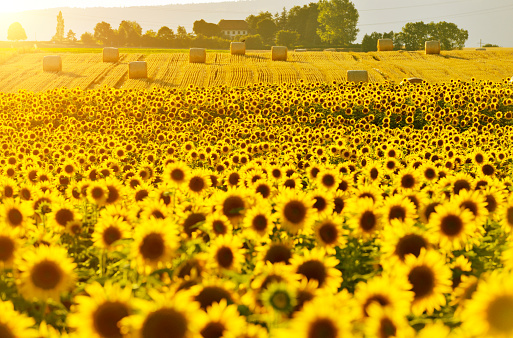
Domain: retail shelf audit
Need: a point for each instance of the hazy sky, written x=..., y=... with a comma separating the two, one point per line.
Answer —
x=488, y=21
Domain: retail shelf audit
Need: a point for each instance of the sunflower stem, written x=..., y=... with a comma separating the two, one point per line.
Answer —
x=43, y=311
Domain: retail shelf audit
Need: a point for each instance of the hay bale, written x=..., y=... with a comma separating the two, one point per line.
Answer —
x=298, y=50
x=413, y=80
x=52, y=63
x=385, y=45
x=432, y=47
x=238, y=48
x=110, y=54
x=481, y=49
x=330, y=50
x=357, y=76
x=279, y=53
x=137, y=70
x=197, y=55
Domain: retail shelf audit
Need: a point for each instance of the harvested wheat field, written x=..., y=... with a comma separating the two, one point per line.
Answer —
x=87, y=71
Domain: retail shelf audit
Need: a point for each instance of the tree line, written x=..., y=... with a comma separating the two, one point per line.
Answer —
x=326, y=23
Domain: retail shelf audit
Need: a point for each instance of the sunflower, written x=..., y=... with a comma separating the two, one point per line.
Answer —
x=45, y=272
x=400, y=240
x=316, y=265
x=222, y=320
x=439, y=330
x=108, y=230
x=26, y=192
x=365, y=218
x=488, y=313
x=217, y=224
x=328, y=179
x=15, y=324
x=264, y=188
x=213, y=290
x=383, y=322
x=407, y=180
x=62, y=215
x=373, y=173
x=475, y=202
x=292, y=182
x=97, y=193
x=398, y=207
x=463, y=292
x=155, y=241
x=198, y=182
x=10, y=243
x=233, y=203
x=295, y=211
x=176, y=174
x=226, y=253
x=141, y=192
x=329, y=233
x=370, y=191
x=115, y=190
x=452, y=227
x=8, y=188
x=495, y=198
x=280, y=297
x=166, y=314
x=99, y=313
x=506, y=215
x=15, y=214
x=429, y=278
x=275, y=252
x=324, y=203
x=259, y=221
x=384, y=291
x=153, y=208
x=322, y=317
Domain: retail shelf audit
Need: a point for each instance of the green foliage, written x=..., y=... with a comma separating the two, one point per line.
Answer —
x=104, y=33
x=129, y=33
x=253, y=20
x=449, y=35
x=370, y=42
x=415, y=34
x=267, y=29
x=490, y=45
x=16, y=32
x=59, y=34
x=337, y=19
x=87, y=38
x=201, y=27
x=287, y=38
x=304, y=21
x=71, y=36
x=254, y=42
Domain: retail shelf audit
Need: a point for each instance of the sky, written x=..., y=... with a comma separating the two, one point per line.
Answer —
x=488, y=21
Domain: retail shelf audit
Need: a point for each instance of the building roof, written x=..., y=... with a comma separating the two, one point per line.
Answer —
x=233, y=25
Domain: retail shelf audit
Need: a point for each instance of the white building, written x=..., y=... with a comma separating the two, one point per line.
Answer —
x=232, y=28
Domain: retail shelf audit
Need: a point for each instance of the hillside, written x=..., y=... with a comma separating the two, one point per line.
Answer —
x=87, y=71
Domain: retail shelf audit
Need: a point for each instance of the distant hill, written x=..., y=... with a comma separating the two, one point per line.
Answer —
x=40, y=24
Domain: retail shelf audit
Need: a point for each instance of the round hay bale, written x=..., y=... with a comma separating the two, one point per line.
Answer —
x=481, y=49
x=413, y=80
x=330, y=50
x=110, y=54
x=279, y=53
x=432, y=47
x=137, y=70
x=298, y=50
x=385, y=45
x=52, y=63
x=357, y=76
x=238, y=48
x=197, y=55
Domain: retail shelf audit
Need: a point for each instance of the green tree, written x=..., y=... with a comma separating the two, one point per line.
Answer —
x=281, y=19
x=181, y=32
x=370, y=42
x=267, y=28
x=449, y=35
x=71, y=36
x=104, y=33
x=253, y=20
x=165, y=36
x=59, y=33
x=201, y=27
x=304, y=21
x=87, y=38
x=254, y=42
x=337, y=19
x=130, y=33
x=414, y=35
x=287, y=38
x=16, y=32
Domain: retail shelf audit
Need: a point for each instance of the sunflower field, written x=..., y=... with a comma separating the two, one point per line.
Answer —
x=323, y=209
